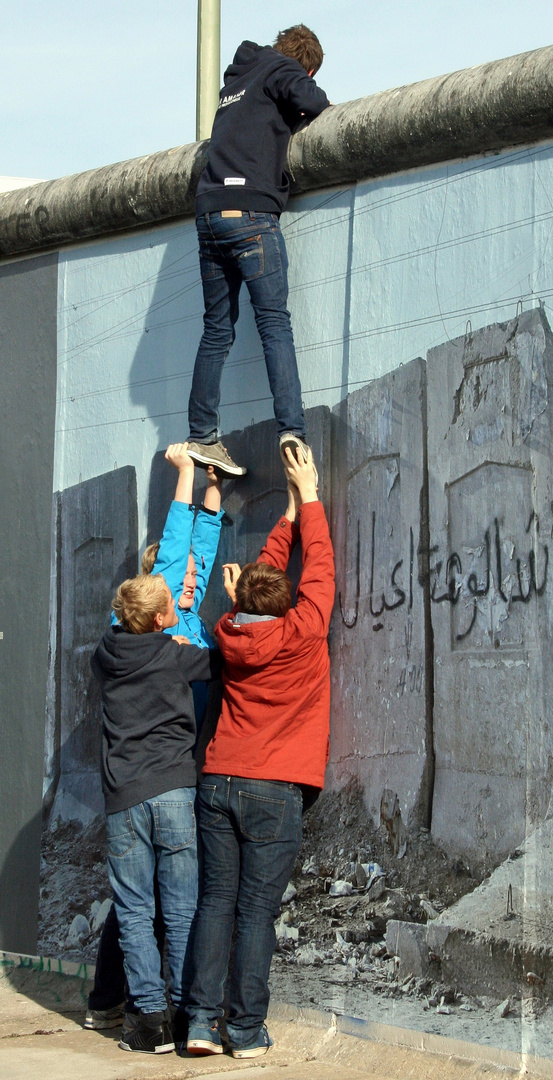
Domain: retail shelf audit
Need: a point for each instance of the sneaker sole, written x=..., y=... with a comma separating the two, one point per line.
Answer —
x=165, y=1048
x=292, y=445
x=202, y=1047
x=255, y=1051
x=205, y=461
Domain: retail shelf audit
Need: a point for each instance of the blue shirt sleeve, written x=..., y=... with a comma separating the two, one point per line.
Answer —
x=174, y=549
x=205, y=541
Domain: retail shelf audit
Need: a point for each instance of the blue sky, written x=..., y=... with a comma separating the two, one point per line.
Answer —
x=85, y=83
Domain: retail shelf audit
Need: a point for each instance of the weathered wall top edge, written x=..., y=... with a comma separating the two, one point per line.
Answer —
x=486, y=108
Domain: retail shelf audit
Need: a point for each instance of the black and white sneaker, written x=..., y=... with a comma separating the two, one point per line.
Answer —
x=101, y=1019
x=206, y=454
x=151, y=1035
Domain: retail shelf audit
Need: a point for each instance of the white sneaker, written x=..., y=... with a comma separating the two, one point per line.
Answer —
x=206, y=454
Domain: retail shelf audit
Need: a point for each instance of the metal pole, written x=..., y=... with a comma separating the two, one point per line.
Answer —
x=209, y=65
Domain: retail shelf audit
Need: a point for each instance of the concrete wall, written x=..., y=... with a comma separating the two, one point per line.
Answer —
x=381, y=272
x=490, y=439
x=418, y=460
x=28, y=292
x=381, y=666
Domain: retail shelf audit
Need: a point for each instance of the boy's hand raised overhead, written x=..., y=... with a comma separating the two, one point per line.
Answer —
x=231, y=573
x=301, y=473
x=177, y=455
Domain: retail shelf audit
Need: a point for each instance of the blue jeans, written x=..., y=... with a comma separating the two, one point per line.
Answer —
x=251, y=834
x=250, y=248
x=158, y=835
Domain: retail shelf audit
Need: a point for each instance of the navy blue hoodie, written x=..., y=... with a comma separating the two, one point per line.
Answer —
x=148, y=729
x=260, y=104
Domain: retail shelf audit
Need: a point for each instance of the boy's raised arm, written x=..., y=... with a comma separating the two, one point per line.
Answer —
x=284, y=536
x=316, y=587
x=206, y=534
x=174, y=548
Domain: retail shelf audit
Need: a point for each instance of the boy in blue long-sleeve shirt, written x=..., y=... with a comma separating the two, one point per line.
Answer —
x=185, y=556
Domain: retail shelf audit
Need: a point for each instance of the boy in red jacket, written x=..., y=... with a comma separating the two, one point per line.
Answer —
x=271, y=743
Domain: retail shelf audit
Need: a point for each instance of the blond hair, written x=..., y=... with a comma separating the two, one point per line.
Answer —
x=138, y=600
x=149, y=557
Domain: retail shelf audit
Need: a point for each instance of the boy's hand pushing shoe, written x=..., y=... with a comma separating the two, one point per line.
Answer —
x=177, y=455
x=300, y=471
x=289, y=441
x=205, y=454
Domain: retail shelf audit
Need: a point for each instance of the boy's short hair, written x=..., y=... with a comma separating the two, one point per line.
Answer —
x=149, y=557
x=138, y=600
x=262, y=589
x=300, y=44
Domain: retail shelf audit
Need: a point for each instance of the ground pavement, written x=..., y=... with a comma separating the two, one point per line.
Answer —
x=41, y=1013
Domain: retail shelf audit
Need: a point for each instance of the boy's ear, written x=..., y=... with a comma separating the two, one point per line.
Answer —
x=158, y=620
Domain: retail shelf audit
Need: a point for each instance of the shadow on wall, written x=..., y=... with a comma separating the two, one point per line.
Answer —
x=96, y=549
x=18, y=930
x=163, y=362
x=441, y=483
x=164, y=358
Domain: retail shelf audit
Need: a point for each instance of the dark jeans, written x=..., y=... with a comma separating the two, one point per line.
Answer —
x=110, y=982
x=251, y=833
x=249, y=248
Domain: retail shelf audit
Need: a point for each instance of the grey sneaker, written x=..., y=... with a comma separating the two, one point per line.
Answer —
x=259, y=1046
x=206, y=454
x=101, y=1019
x=291, y=441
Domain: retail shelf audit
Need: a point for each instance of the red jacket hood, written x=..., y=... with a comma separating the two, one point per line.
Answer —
x=252, y=644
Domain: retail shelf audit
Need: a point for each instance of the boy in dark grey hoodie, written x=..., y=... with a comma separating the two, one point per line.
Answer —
x=149, y=783
x=241, y=194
